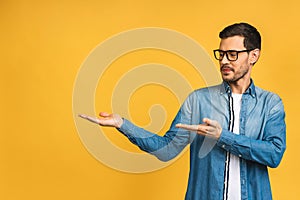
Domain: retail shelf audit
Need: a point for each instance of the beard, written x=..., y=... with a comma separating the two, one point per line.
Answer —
x=237, y=75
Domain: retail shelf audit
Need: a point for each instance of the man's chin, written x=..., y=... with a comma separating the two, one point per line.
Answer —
x=226, y=78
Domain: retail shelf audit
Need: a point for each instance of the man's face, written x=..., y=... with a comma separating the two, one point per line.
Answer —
x=232, y=71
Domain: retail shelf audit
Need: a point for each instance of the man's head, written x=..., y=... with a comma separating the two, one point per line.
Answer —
x=239, y=50
x=252, y=39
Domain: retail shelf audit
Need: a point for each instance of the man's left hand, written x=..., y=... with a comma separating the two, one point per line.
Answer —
x=209, y=128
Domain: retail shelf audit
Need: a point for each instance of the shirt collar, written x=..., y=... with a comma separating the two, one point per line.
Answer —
x=250, y=90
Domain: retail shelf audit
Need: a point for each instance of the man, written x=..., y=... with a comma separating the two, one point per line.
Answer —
x=235, y=130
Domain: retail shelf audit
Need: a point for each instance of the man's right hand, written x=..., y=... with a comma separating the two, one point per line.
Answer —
x=112, y=120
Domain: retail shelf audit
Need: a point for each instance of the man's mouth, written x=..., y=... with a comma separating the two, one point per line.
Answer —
x=226, y=69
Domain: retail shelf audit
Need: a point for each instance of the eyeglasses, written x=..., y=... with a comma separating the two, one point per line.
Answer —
x=231, y=55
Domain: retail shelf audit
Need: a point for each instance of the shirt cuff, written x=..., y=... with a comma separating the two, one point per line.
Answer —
x=226, y=140
x=126, y=127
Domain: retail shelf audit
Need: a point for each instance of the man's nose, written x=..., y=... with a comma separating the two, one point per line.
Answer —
x=224, y=60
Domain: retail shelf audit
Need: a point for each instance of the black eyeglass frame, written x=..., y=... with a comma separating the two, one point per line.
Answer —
x=230, y=51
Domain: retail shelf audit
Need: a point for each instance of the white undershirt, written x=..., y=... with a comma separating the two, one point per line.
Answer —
x=234, y=183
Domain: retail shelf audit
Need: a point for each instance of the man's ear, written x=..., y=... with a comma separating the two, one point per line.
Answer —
x=254, y=56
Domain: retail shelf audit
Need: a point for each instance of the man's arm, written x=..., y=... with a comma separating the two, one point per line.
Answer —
x=268, y=151
x=163, y=147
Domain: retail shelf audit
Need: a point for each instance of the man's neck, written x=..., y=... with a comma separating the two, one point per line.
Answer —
x=240, y=86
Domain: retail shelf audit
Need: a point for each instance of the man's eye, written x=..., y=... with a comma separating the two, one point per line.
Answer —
x=232, y=54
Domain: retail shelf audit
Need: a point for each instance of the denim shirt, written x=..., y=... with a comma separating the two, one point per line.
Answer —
x=260, y=144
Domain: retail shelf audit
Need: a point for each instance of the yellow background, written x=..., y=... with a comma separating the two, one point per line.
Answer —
x=43, y=44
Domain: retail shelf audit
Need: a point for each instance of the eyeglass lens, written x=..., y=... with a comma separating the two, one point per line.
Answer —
x=230, y=55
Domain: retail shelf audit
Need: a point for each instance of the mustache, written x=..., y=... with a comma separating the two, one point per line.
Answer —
x=226, y=67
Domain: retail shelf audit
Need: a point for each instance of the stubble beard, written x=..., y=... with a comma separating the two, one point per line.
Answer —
x=236, y=77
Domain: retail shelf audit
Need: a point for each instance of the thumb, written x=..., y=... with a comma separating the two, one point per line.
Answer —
x=210, y=122
x=207, y=121
x=104, y=114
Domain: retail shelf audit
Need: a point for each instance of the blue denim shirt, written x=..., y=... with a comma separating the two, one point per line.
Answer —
x=260, y=144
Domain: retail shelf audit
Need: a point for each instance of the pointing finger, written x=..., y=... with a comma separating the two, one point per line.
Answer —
x=188, y=127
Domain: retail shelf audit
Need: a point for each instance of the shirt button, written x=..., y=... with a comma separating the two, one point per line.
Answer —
x=223, y=146
x=240, y=155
